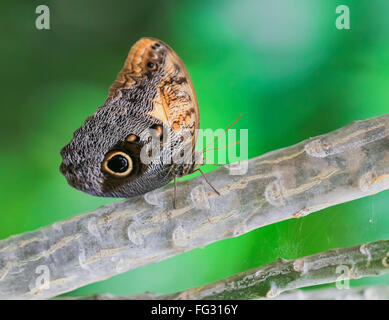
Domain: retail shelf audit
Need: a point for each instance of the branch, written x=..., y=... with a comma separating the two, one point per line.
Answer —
x=357, y=293
x=346, y=164
x=369, y=259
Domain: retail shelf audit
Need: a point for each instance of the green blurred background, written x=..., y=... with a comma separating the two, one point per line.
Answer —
x=283, y=64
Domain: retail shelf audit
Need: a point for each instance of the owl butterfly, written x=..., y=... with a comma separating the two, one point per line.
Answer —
x=152, y=100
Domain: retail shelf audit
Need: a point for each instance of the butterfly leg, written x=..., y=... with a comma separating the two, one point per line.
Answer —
x=205, y=177
x=175, y=193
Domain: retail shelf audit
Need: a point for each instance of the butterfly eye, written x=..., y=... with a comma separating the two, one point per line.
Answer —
x=151, y=65
x=118, y=163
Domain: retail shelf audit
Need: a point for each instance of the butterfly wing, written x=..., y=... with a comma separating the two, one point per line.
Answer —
x=153, y=89
x=175, y=103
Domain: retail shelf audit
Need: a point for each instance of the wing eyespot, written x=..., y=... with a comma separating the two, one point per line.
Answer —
x=132, y=138
x=151, y=66
x=157, y=131
x=118, y=164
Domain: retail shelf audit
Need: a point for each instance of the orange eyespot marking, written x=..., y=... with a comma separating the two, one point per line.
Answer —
x=132, y=138
x=118, y=164
x=159, y=131
x=151, y=65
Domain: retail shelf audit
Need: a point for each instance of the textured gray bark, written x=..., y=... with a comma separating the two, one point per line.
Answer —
x=341, y=265
x=346, y=164
x=357, y=293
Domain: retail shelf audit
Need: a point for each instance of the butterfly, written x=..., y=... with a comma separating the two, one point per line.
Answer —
x=151, y=104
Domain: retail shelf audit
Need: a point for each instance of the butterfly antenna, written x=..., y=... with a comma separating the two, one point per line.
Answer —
x=175, y=193
x=224, y=132
x=210, y=162
x=229, y=145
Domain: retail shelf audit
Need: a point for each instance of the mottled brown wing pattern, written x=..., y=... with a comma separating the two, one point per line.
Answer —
x=153, y=89
x=175, y=103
